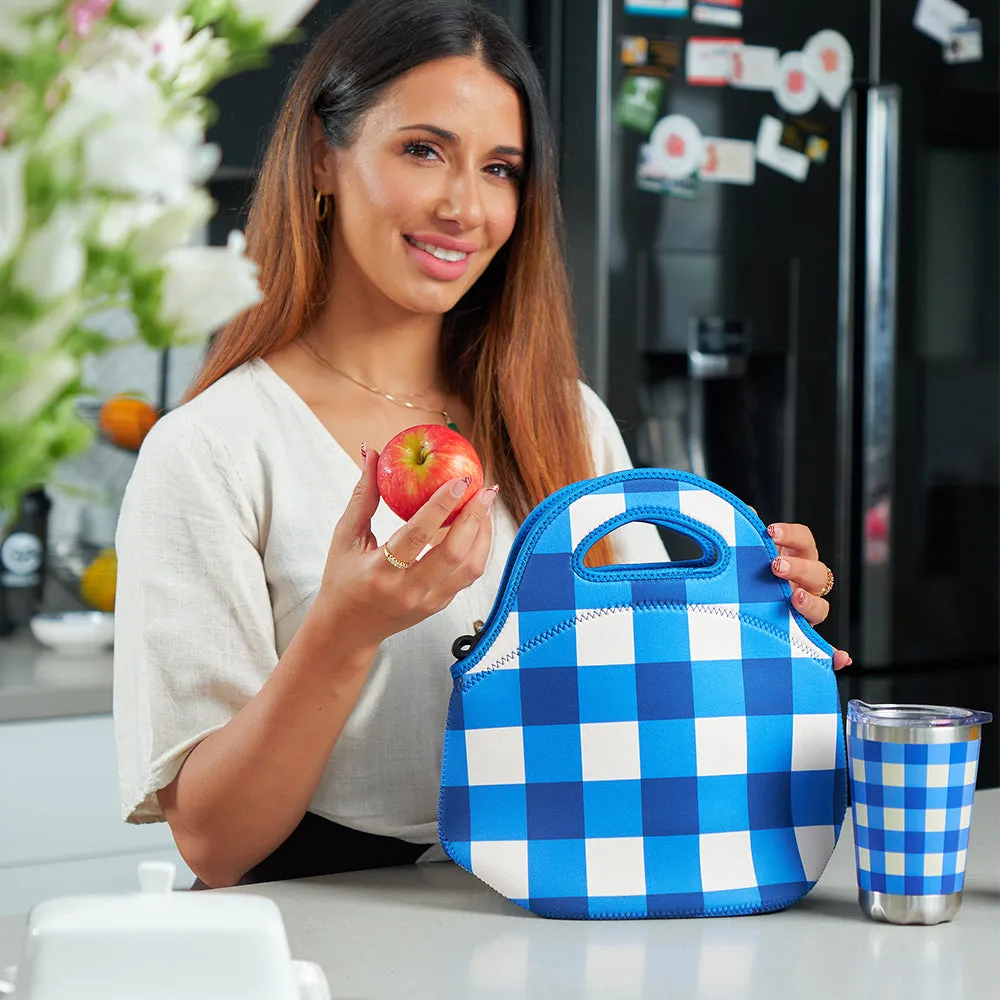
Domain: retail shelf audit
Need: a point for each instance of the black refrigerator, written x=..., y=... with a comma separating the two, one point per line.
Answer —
x=816, y=326
x=821, y=341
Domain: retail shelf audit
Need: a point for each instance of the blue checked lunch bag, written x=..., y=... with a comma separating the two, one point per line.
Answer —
x=655, y=740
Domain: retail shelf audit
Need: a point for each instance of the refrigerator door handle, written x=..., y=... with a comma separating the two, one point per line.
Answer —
x=844, y=485
x=878, y=411
x=605, y=184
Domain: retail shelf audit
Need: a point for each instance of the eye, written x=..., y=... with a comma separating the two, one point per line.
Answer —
x=506, y=171
x=420, y=150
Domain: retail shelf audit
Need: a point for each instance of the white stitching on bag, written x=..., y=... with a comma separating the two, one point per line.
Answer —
x=582, y=616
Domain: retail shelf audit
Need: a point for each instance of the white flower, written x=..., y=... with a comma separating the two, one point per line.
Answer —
x=36, y=391
x=42, y=335
x=200, y=61
x=161, y=46
x=12, y=198
x=173, y=226
x=16, y=36
x=116, y=220
x=205, y=287
x=29, y=8
x=140, y=157
x=101, y=94
x=138, y=48
x=277, y=16
x=52, y=261
x=152, y=10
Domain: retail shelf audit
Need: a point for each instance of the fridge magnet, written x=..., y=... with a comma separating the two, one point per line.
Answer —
x=639, y=102
x=829, y=62
x=966, y=43
x=634, y=50
x=709, y=61
x=817, y=148
x=722, y=13
x=649, y=177
x=773, y=154
x=794, y=89
x=754, y=67
x=657, y=8
x=938, y=18
x=676, y=148
x=663, y=56
x=797, y=133
x=728, y=161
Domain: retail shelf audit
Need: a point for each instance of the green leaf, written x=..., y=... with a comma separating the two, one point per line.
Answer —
x=81, y=341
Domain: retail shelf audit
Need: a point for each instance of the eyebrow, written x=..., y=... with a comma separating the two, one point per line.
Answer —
x=443, y=133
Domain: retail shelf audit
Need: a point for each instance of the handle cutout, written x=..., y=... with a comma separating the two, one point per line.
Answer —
x=698, y=549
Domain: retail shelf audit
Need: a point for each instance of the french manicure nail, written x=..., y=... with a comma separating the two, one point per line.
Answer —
x=489, y=496
x=364, y=450
x=459, y=487
x=774, y=531
x=780, y=566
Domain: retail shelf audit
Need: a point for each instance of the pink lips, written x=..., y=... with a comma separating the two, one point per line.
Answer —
x=442, y=270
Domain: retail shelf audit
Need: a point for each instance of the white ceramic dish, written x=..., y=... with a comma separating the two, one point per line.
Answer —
x=160, y=945
x=74, y=632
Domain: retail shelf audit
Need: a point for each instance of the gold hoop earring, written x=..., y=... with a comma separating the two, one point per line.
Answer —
x=322, y=206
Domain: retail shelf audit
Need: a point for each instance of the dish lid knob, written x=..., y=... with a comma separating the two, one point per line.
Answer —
x=157, y=876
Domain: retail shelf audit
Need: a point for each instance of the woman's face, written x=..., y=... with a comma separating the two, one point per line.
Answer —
x=427, y=193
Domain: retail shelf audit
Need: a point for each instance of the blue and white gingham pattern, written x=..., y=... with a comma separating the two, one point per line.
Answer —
x=912, y=805
x=655, y=740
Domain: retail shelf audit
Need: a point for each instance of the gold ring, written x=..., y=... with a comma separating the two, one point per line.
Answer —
x=829, y=583
x=393, y=561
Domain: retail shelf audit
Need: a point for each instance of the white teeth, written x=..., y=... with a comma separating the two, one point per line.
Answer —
x=440, y=252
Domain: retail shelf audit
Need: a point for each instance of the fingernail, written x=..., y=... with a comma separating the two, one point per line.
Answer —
x=459, y=487
x=774, y=531
x=849, y=662
x=800, y=597
x=364, y=450
x=489, y=496
x=780, y=566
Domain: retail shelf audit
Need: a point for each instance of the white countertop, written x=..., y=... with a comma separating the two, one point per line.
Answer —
x=433, y=931
x=39, y=683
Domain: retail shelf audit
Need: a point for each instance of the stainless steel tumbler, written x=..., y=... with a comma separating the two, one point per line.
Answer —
x=913, y=776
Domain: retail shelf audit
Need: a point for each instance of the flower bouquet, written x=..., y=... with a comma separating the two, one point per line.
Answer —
x=103, y=166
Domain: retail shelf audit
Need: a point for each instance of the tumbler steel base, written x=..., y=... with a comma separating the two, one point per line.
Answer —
x=893, y=909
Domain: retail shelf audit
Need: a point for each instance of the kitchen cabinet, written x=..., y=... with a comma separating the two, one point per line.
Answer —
x=61, y=830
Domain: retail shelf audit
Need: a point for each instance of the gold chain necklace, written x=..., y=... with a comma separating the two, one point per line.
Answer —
x=309, y=349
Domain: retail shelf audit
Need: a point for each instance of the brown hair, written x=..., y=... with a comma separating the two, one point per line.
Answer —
x=508, y=347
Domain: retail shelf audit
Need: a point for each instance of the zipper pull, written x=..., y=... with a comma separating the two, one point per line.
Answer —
x=464, y=644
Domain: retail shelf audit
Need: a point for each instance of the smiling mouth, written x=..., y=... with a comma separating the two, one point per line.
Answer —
x=452, y=256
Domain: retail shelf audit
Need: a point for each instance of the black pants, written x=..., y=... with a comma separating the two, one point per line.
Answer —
x=318, y=846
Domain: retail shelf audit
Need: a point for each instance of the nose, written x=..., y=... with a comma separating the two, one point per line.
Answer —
x=461, y=201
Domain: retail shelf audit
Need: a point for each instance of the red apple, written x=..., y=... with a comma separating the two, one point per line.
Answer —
x=421, y=459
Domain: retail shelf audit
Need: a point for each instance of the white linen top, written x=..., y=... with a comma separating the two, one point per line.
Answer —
x=222, y=539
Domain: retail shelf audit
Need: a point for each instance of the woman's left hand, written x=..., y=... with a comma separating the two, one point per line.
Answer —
x=798, y=562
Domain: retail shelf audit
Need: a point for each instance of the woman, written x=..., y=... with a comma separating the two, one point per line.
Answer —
x=279, y=697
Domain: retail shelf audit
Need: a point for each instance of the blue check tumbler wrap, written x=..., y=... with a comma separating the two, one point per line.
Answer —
x=912, y=805
x=646, y=740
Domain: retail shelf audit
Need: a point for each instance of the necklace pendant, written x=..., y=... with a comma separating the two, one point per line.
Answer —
x=454, y=426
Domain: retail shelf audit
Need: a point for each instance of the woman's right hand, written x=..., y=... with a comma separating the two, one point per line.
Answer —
x=367, y=598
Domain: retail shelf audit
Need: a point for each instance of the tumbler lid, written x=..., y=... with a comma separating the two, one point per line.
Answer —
x=914, y=716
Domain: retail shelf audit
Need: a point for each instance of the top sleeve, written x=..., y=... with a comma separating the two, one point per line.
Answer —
x=194, y=631
x=636, y=542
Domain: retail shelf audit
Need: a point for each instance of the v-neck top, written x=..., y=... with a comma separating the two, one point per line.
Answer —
x=222, y=540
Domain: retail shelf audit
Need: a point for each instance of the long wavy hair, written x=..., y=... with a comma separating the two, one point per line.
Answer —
x=508, y=348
